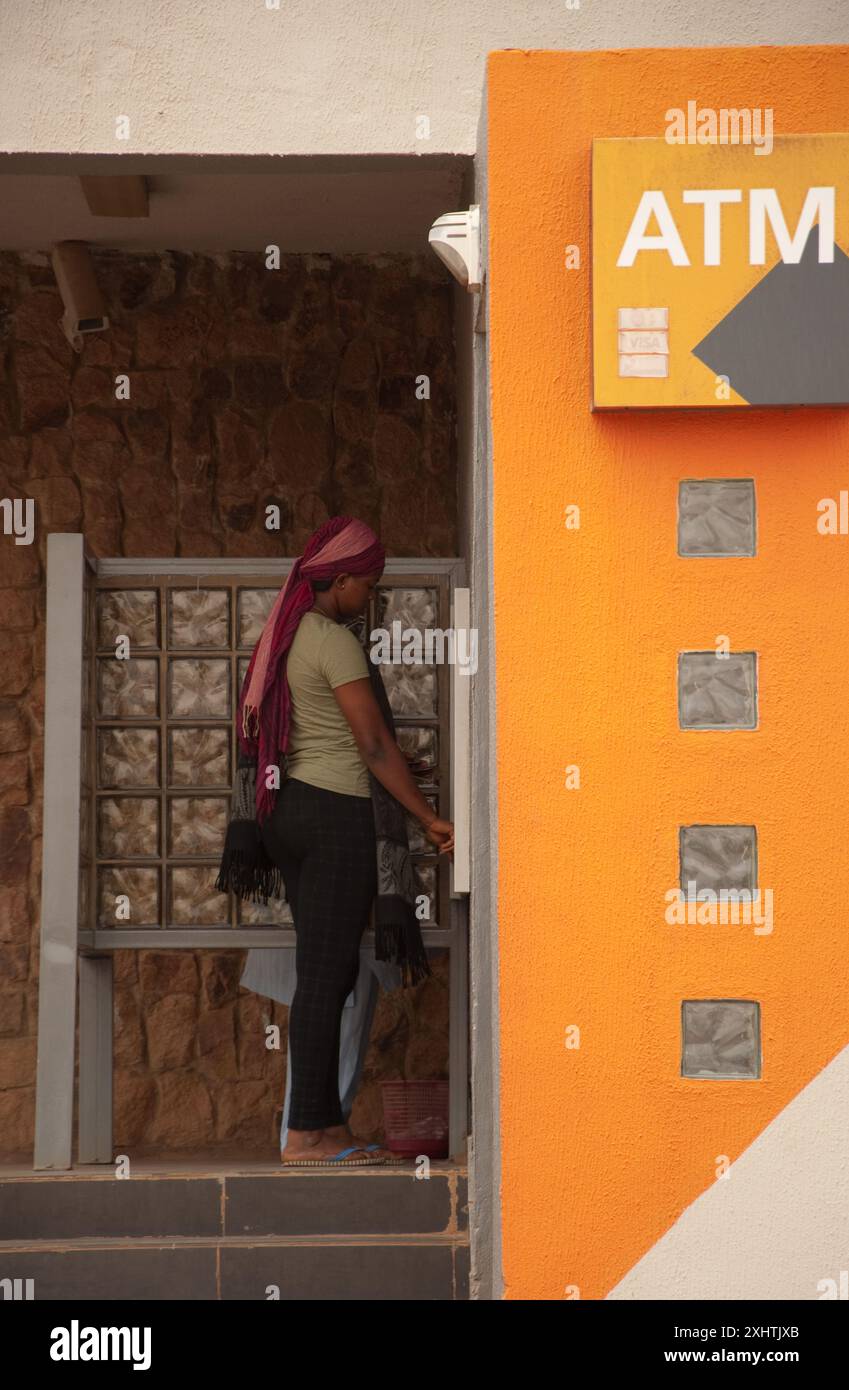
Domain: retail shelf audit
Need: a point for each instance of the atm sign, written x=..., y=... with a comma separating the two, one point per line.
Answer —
x=718, y=281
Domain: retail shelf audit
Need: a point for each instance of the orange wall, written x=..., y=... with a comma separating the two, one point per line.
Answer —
x=604, y=1147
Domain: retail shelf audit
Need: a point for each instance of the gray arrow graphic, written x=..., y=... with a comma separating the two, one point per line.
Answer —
x=787, y=341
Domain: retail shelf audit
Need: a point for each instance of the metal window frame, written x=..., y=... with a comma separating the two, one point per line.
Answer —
x=68, y=945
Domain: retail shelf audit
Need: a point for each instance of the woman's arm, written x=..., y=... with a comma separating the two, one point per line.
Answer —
x=383, y=757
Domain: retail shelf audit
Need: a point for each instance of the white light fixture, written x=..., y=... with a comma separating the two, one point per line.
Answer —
x=85, y=311
x=456, y=239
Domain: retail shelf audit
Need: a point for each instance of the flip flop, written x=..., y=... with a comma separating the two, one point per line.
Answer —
x=339, y=1160
x=394, y=1159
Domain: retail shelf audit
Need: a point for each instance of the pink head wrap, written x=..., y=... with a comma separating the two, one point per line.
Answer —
x=341, y=545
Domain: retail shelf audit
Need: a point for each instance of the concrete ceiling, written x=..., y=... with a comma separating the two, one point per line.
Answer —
x=365, y=205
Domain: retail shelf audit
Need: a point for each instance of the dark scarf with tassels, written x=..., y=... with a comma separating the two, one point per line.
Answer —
x=247, y=870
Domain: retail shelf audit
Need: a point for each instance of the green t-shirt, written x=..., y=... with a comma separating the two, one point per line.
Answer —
x=322, y=749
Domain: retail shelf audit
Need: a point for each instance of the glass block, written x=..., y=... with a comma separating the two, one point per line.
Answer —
x=128, y=757
x=132, y=613
x=717, y=856
x=720, y=1038
x=199, y=688
x=199, y=618
x=199, y=758
x=254, y=607
x=411, y=690
x=127, y=689
x=197, y=824
x=418, y=841
x=277, y=913
x=716, y=516
x=425, y=876
x=194, y=899
x=409, y=607
x=244, y=662
x=420, y=745
x=716, y=692
x=127, y=827
x=140, y=886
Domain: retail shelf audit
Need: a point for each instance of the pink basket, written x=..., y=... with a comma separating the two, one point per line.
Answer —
x=415, y=1116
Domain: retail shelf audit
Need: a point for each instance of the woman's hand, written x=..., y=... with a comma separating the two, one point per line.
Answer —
x=441, y=834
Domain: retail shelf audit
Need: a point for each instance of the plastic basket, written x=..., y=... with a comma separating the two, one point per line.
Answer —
x=415, y=1117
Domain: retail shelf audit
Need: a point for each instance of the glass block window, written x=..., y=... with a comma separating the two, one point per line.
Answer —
x=721, y=1039
x=717, y=692
x=716, y=517
x=164, y=747
x=415, y=619
x=717, y=857
x=165, y=659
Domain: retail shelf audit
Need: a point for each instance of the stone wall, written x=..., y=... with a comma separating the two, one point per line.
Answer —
x=248, y=386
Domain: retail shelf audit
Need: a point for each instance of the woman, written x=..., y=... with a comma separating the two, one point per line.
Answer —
x=309, y=697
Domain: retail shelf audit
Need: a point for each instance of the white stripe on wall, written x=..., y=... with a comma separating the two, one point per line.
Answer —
x=778, y=1225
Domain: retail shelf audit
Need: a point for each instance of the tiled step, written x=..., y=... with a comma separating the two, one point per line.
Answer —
x=383, y=1269
x=251, y=1233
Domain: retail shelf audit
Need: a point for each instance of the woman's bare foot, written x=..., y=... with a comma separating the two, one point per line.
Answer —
x=326, y=1143
x=343, y=1133
x=310, y=1143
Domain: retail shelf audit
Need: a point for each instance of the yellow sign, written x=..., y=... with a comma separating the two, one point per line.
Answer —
x=720, y=278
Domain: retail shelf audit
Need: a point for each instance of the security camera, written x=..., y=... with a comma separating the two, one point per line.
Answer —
x=456, y=239
x=85, y=311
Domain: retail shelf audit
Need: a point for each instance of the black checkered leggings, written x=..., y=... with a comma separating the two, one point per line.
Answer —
x=324, y=844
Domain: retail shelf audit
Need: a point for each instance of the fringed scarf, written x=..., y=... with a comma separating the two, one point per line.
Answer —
x=341, y=545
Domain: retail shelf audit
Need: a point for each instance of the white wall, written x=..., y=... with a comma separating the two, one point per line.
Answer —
x=319, y=76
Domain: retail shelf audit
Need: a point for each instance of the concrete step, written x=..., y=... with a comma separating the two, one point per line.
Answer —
x=250, y=1232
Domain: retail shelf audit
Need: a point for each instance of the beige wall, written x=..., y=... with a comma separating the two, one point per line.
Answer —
x=318, y=76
